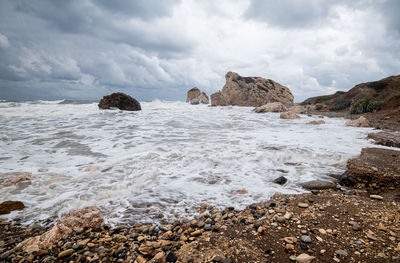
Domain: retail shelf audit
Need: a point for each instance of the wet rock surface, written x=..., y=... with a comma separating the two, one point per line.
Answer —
x=9, y=206
x=375, y=168
x=386, y=138
x=195, y=96
x=119, y=100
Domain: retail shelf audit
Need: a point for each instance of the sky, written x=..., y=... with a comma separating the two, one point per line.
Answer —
x=150, y=49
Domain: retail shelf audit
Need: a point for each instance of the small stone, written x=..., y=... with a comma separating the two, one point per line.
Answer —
x=355, y=226
x=322, y=231
x=302, y=205
x=377, y=197
x=159, y=257
x=281, y=180
x=304, y=258
x=288, y=215
x=358, y=242
x=290, y=240
x=226, y=260
x=306, y=239
x=371, y=237
x=289, y=246
x=217, y=259
x=303, y=246
x=141, y=259
x=341, y=252
x=257, y=224
x=65, y=253
x=196, y=233
x=171, y=257
x=281, y=219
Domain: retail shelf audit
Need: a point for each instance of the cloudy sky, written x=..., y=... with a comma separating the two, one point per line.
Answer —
x=151, y=49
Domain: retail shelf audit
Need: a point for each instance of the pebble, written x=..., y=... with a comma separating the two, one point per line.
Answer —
x=377, y=197
x=302, y=205
x=306, y=239
x=65, y=253
x=171, y=257
x=304, y=258
x=226, y=260
x=217, y=259
x=281, y=219
x=290, y=240
x=355, y=225
x=303, y=246
x=322, y=231
x=341, y=252
x=141, y=259
x=372, y=237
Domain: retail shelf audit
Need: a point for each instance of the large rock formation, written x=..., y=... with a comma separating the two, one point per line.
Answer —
x=250, y=91
x=76, y=220
x=121, y=101
x=195, y=96
x=375, y=168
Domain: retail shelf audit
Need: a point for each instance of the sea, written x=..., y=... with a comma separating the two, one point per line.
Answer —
x=161, y=163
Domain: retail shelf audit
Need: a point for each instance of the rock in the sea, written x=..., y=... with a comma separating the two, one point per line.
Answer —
x=121, y=101
x=318, y=185
x=217, y=99
x=299, y=109
x=375, y=167
x=18, y=178
x=289, y=115
x=76, y=220
x=280, y=180
x=271, y=107
x=195, y=96
x=9, y=206
x=360, y=122
x=250, y=91
x=317, y=122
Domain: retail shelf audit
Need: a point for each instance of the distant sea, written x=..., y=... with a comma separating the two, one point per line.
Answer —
x=163, y=161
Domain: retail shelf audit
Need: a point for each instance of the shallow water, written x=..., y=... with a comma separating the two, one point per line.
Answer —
x=165, y=159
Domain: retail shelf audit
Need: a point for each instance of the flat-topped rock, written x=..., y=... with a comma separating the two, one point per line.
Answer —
x=250, y=91
x=386, y=138
x=271, y=107
x=375, y=167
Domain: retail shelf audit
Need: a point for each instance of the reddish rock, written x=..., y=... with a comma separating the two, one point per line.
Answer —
x=89, y=217
x=250, y=91
x=271, y=107
x=360, y=122
x=195, y=96
x=9, y=206
x=18, y=179
x=317, y=122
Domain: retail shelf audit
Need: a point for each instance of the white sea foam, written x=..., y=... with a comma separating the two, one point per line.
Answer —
x=168, y=158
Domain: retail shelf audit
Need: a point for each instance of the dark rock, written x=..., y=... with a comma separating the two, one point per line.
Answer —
x=217, y=259
x=303, y=246
x=280, y=180
x=9, y=206
x=121, y=101
x=171, y=257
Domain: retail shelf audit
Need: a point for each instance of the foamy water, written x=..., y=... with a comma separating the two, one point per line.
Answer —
x=165, y=159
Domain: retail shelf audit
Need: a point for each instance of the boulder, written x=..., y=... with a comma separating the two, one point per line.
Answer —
x=280, y=180
x=271, y=107
x=299, y=109
x=76, y=220
x=9, y=206
x=375, y=167
x=121, y=101
x=217, y=99
x=317, y=122
x=360, y=122
x=289, y=115
x=251, y=91
x=195, y=96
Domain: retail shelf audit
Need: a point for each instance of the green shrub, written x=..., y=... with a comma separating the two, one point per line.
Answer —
x=363, y=106
x=340, y=105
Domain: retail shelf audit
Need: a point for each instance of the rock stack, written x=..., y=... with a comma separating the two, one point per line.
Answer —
x=195, y=96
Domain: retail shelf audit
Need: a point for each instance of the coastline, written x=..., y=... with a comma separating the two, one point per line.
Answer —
x=336, y=225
